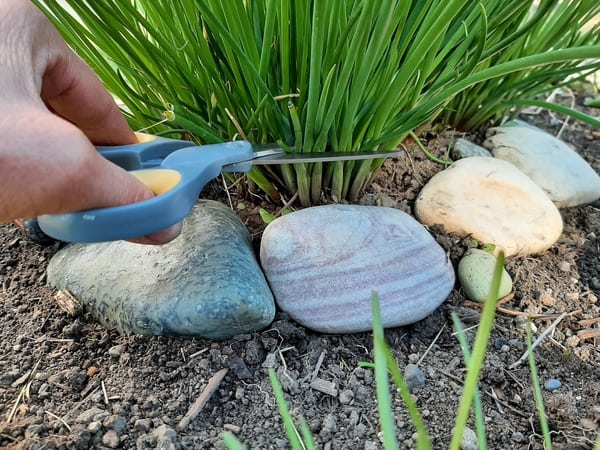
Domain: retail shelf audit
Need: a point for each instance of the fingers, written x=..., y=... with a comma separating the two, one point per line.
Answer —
x=161, y=237
x=51, y=167
x=73, y=91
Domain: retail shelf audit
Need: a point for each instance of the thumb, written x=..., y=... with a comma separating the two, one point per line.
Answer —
x=53, y=168
x=129, y=189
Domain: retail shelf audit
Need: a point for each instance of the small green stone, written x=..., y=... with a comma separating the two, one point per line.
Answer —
x=476, y=272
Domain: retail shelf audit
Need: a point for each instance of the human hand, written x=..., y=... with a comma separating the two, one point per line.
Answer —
x=52, y=108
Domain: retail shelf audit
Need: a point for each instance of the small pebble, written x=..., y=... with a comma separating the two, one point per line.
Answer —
x=505, y=348
x=547, y=299
x=469, y=440
x=165, y=436
x=91, y=414
x=329, y=424
x=346, y=396
x=94, y=426
x=115, y=422
x=573, y=341
x=465, y=149
x=564, y=266
x=44, y=391
x=142, y=425
x=115, y=351
x=111, y=439
x=232, y=428
x=413, y=377
x=499, y=343
x=518, y=437
x=552, y=384
x=516, y=343
x=572, y=296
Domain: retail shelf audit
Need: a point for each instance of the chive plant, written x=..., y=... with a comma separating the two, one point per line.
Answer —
x=518, y=30
x=324, y=75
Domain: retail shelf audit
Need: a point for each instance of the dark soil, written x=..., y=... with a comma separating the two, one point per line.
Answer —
x=66, y=382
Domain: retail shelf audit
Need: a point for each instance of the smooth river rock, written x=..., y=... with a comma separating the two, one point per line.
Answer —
x=564, y=175
x=492, y=201
x=323, y=263
x=476, y=273
x=466, y=149
x=206, y=283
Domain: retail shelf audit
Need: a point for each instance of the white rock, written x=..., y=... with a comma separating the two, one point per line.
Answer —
x=492, y=201
x=324, y=262
x=564, y=175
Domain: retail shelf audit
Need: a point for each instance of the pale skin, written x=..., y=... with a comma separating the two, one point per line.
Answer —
x=53, y=111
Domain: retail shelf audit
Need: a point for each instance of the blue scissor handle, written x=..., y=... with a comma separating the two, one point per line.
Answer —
x=188, y=169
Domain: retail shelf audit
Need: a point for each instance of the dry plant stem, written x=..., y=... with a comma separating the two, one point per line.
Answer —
x=227, y=191
x=510, y=312
x=537, y=342
x=591, y=333
x=286, y=205
x=106, y=402
x=318, y=365
x=205, y=396
x=566, y=121
x=437, y=336
x=496, y=399
x=589, y=322
x=198, y=353
x=23, y=392
x=59, y=419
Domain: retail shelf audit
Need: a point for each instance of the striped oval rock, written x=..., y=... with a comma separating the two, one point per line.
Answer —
x=323, y=264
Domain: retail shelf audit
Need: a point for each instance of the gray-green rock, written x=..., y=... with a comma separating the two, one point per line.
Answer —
x=206, y=283
x=466, y=149
x=476, y=272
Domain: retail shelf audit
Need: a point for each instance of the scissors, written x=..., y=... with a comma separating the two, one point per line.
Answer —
x=176, y=171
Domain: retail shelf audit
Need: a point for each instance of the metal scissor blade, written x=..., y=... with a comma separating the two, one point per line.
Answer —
x=268, y=157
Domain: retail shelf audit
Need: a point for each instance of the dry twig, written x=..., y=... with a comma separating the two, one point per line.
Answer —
x=537, y=342
x=24, y=392
x=205, y=396
x=59, y=419
x=437, y=336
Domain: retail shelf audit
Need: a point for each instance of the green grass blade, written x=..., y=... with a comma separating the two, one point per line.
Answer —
x=477, y=406
x=232, y=442
x=559, y=109
x=384, y=406
x=478, y=355
x=286, y=418
x=384, y=361
x=537, y=392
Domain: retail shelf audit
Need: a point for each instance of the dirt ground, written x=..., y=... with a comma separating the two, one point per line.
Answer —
x=66, y=382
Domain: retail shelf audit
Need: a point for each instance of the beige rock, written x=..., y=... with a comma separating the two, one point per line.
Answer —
x=493, y=202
